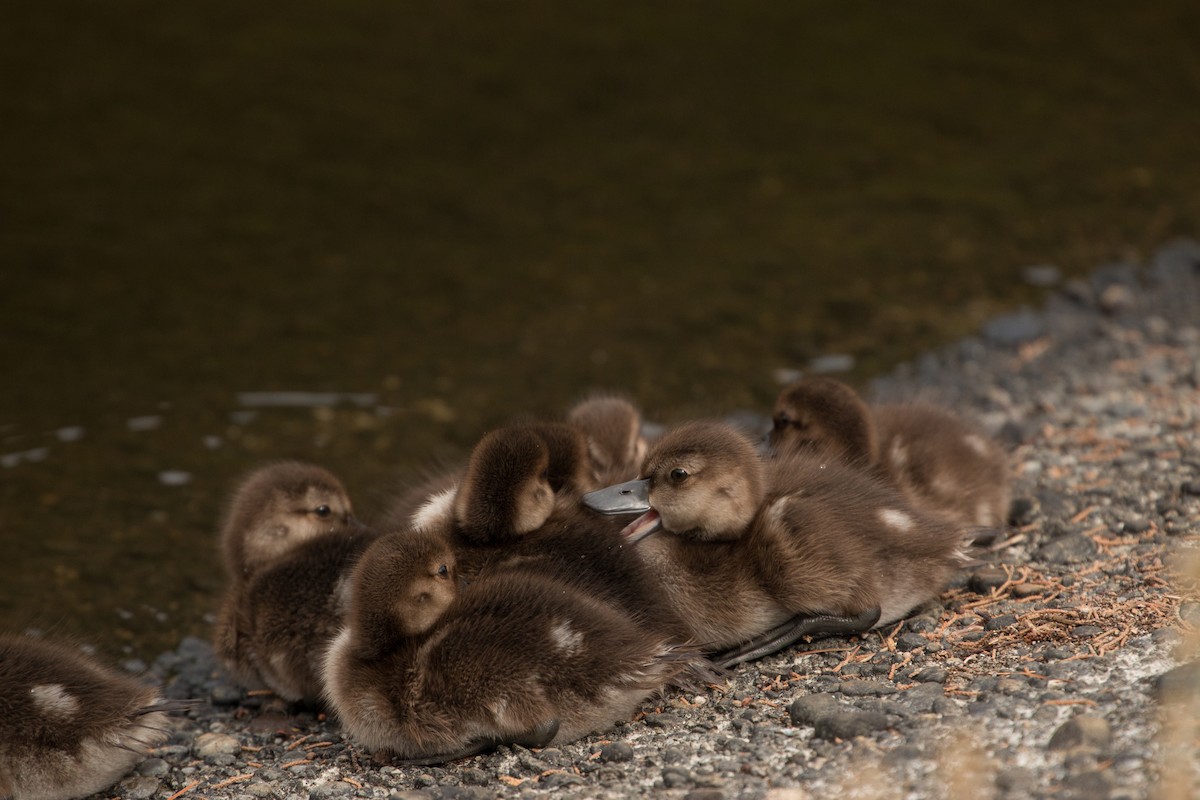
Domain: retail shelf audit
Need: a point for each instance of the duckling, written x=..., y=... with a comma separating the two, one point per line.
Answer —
x=291, y=526
x=936, y=458
x=760, y=553
x=70, y=727
x=429, y=673
x=613, y=427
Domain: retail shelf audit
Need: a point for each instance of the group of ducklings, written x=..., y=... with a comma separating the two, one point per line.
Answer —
x=507, y=602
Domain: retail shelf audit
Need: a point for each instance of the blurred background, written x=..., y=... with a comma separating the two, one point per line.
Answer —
x=362, y=234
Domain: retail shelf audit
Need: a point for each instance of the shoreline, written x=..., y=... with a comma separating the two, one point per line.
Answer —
x=1033, y=676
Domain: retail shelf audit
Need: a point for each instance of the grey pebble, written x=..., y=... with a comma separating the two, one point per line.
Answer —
x=931, y=675
x=140, y=788
x=859, y=688
x=1086, y=631
x=908, y=641
x=706, y=793
x=808, y=709
x=676, y=778
x=211, y=745
x=849, y=724
x=1013, y=329
x=154, y=767
x=616, y=752
x=985, y=579
x=1001, y=621
x=330, y=789
x=1071, y=549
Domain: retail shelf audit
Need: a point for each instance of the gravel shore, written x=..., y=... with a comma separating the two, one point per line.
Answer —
x=1037, y=675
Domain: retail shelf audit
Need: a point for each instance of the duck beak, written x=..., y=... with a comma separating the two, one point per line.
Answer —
x=631, y=497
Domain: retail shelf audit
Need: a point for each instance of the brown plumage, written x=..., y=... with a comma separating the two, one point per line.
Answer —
x=69, y=727
x=748, y=544
x=615, y=445
x=424, y=671
x=931, y=454
x=277, y=618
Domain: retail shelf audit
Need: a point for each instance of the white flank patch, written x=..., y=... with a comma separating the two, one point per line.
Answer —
x=976, y=443
x=434, y=510
x=53, y=700
x=566, y=638
x=894, y=518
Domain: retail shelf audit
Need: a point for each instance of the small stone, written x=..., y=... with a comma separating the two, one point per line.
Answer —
x=1002, y=621
x=849, y=724
x=1070, y=549
x=1137, y=525
x=1013, y=329
x=154, y=767
x=1016, y=779
x=140, y=788
x=808, y=709
x=1190, y=488
x=1086, y=631
x=985, y=579
x=259, y=789
x=330, y=789
x=931, y=675
x=211, y=745
x=705, y=794
x=1023, y=511
x=907, y=642
x=472, y=776
x=676, y=778
x=1116, y=298
x=1082, y=730
x=922, y=698
x=224, y=694
x=859, y=688
x=616, y=752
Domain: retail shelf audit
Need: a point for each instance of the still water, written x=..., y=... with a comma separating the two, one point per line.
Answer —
x=363, y=235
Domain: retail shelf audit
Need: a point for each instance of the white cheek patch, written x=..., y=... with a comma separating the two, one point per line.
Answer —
x=896, y=519
x=566, y=638
x=437, y=509
x=53, y=700
x=898, y=454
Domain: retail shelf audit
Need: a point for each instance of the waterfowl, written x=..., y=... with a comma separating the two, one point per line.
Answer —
x=70, y=727
x=935, y=457
x=756, y=553
x=613, y=427
x=430, y=673
x=292, y=525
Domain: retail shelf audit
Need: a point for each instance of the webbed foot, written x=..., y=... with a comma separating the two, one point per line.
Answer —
x=539, y=736
x=781, y=636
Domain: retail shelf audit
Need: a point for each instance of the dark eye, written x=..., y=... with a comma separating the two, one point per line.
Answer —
x=678, y=474
x=322, y=511
x=443, y=571
x=781, y=422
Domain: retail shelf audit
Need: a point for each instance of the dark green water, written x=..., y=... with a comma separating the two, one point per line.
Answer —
x=470, y=210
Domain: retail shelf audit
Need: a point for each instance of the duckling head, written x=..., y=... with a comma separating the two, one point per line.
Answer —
x=567, y=468
x=613, y=427
x=278, y=507
x=824, y=416
x=506, y=490
x=402, y=585
x=703, y=480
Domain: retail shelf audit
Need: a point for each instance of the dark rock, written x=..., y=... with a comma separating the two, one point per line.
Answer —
x=1074, y=548
x=140, y=788
x=473, y=776
x=931, y=675
x=1082, y=730
x=676, y=778
x=849, y=724
x=1013, y=329
x=660, y=720
x=1136, y=525
x=616, y=752
x=985, y=579
x=705, y=794
x=331, y=789
x=857, y=688
x=1190, y=488
x=921, y=698
x=1023, y=511
x=810, y=708
x=1015, y=779
x=1002, y=621
x=154, y=767
x=908, y=641
x=1086, y=631
x=224, y=694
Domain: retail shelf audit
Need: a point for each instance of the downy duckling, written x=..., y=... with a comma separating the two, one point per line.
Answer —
x=760, y=553
x=431, y=674
x=613, y=427
x=934, y=457
x=70, y=727
x=290, y=526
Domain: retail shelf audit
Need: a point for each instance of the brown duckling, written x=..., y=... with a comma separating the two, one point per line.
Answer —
x=292, y=525
x=935, y=457
x=613, y=427
x=760, y=553
x=70, y=727
x=430, y=673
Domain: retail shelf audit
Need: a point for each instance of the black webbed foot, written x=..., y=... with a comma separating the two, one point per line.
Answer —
x=781, y=636
x=539, y=736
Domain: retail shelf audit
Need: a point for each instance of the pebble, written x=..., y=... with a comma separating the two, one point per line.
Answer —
x=1001, y=621
x=907, y=642
x=808, y=709
x=849, y=724
x=1082, y=730
x=985, y=579
x=1071, y=549
x=211, y=745
x=616, y=752
x=140, y=788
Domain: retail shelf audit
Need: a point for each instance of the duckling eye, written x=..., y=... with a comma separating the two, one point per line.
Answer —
x=678, y=474
x=443, y=571
x=322, y=511
x=781, y=422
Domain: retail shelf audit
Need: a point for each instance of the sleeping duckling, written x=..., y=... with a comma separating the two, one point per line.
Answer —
x=431, y=674
x=930, y=453
x=761, y=553
x=291, y=526
x=70, y=727
x=613, y=427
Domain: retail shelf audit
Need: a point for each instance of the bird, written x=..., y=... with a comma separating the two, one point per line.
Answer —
x=430, y=672
x=70, y=726
x=933, y=455
x=290, y=539
x=755, y=553
x=613, y=427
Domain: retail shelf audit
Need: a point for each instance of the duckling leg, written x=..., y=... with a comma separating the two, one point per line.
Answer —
x=540, y=736
x=781, y=636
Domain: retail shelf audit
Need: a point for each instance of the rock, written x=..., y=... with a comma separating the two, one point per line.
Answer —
x=1116, y=299
x=1190, y=488
x=1086, y=631
x=1002, y=621
x=810, y=708
x=931, y=675
x=922, y=698
x=705, y=794
x=616, y=752
x=1013, y=329
x=907, y=642
x=1073, y=548
x=857, y=688
x=1023, y=511
x=676, y=778
x=1090, y=785
x=849, y=724
x=330, y=789
x=473, y=776
x=224, y=694
x=154, y=767
x=211, y=745
x=1042, y=276
x=140, y=788
x=985, y=579
x=1082, y=730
